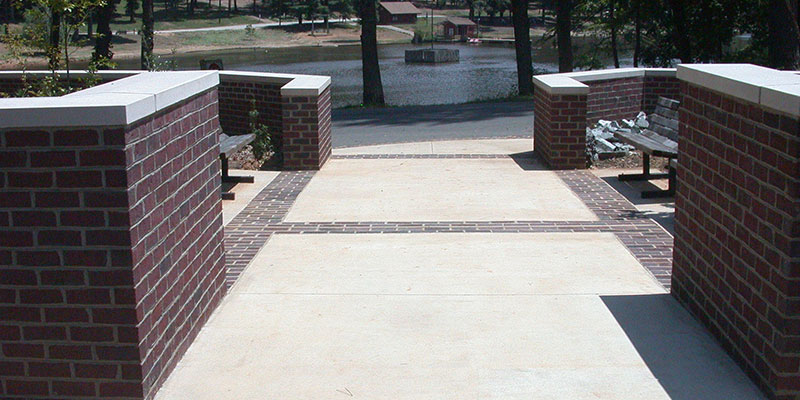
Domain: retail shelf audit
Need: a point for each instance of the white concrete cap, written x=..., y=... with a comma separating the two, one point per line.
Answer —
x=605, y=74
x=91, y=110
x=573, y=82
x=560, y=84
x=294, y=84
x=760, y=85
x=249, y=76
x=168, y=88
x=783, y=98
x=119, y=102
x=668, y=72
x=306, y=85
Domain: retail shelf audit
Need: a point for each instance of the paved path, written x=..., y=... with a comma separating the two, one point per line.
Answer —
x=471, y=272
x=360, y=127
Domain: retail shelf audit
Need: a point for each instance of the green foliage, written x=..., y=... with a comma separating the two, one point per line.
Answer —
x=249, y=31
x=264, y=144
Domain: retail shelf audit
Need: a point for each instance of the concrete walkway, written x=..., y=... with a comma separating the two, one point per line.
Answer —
x=465, y=274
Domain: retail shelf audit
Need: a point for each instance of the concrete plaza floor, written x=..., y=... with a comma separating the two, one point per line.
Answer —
x=352, y=311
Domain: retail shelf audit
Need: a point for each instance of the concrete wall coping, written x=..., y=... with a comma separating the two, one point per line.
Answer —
x=116, y=103
x=773, y=89
x=133, y=95
x=574, y=82
x=293, y=84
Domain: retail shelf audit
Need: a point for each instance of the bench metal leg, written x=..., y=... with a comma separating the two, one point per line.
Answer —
x=646, y=175
x=670, y=192
x=232, y=179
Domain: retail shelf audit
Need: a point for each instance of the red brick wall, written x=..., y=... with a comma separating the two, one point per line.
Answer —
x=614, y=99
x=737, y=238
x=657, y=86
x=559, y=129
x=302, y=124
x=234, y=105
x=176, y=230
x=307, y=131
x=111, y=255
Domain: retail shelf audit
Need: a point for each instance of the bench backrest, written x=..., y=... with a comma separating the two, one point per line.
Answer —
x=664, y=121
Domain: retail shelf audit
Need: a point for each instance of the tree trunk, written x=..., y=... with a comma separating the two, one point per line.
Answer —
x=680, y=36
x=53, y=50
x=637, y=41
x=784, y=49
x=564, y=34
x=371, y=70
x=89, y=29
x=148, y=22
x=613, y=26
x=522, y=45
x=235, y=6
x=102, y=44
x=192, y=5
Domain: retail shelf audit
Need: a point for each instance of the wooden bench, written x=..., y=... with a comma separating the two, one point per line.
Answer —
x=659, y=140
x=231, y=145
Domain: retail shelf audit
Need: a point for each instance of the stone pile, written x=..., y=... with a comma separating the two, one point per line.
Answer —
x=601, y=144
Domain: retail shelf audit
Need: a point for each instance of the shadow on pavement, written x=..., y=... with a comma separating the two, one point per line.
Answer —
x=680, y=353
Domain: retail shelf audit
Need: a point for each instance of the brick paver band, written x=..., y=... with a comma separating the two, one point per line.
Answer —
x=250, y=230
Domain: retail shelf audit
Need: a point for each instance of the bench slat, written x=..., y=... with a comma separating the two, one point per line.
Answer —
x=668, y=103
x=231, y=144
x=660, y=120
x=666, y=132
x=649, y=145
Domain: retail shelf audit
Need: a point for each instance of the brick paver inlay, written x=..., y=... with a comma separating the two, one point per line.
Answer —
x=250, y=230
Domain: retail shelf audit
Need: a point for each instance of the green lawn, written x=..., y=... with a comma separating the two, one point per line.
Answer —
x=205, y=15
x=230, y=37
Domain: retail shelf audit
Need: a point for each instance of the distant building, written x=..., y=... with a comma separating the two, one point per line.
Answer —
x=461, y=28
x=397, y=12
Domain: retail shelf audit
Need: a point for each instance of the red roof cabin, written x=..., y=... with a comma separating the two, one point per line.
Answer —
x=462, y=28
x=397, y=12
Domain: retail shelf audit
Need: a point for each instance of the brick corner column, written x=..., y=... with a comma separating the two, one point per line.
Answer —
x=306, y=133
x=559, y=129
x=111, y=255
x=737, y=235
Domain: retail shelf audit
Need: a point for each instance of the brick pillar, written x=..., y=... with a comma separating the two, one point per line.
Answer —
x=306, y=130
x=111, y=256
x=559, y=129
x=737, y=243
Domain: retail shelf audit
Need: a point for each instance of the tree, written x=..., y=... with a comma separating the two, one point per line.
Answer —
x=680, y=35
x=102, y=45
x=54, y=48
x=784, y=48
x=371, y=70
x=522, y=45
x=564, y=35
x=131, y=6
x=148, y=22
x=612, y=28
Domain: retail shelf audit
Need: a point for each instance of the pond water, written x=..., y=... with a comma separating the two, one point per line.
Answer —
x=484, y=72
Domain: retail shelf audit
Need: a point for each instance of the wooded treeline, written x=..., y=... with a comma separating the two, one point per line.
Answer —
x=651, y=32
